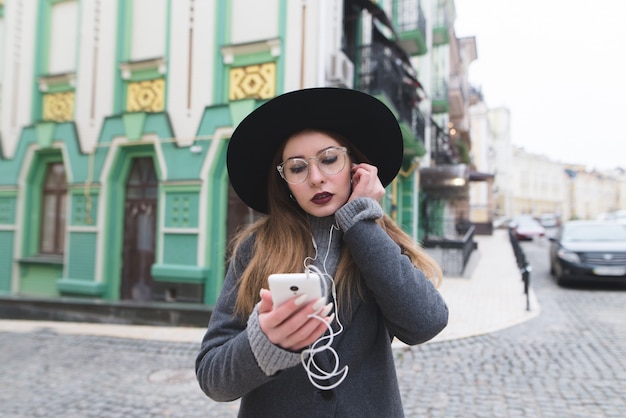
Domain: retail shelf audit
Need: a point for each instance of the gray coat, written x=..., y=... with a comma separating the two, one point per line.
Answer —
x=237, y=361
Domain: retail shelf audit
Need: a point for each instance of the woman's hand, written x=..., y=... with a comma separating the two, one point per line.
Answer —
x=289, y=325
x=365, y=182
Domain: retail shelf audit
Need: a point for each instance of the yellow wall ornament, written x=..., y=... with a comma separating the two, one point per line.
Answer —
x=58, y=107
x=253, y=82
x=146, y=96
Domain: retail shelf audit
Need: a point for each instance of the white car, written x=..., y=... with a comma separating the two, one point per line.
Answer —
x=618, y=216
x=549, y=220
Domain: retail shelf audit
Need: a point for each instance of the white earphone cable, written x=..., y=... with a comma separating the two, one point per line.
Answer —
x=324, y=343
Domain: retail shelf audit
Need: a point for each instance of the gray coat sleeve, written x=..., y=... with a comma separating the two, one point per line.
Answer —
x=228, y=366
x=413, y=309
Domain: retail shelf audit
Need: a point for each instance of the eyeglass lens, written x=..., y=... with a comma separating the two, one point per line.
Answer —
x=330, y=161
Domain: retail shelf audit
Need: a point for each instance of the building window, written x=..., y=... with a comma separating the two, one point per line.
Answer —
x=53, y=203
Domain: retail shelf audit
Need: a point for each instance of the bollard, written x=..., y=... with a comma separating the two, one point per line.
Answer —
x=526, y=279
x=523, y=265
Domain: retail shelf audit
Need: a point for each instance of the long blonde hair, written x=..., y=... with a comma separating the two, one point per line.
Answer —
x=283, y=240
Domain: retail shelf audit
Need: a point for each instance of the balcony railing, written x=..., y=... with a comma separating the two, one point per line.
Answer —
x=442, y=147
x=379, y=70
x=410, y=16
x=419, y=123
x=452, y=254
x=411, y=26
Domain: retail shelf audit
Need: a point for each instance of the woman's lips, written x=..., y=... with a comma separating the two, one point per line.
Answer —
x=322, y=198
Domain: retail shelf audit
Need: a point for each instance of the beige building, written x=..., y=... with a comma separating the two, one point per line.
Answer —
x=592, y=194
x=539, y=184
x=491, y=154
x=542, y=185
x=619, y=176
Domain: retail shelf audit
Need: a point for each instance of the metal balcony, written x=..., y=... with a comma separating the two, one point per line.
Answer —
x=411, y=26
x=381, y=71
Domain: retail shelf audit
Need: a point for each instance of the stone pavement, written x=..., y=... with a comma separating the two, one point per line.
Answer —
x=489, y=297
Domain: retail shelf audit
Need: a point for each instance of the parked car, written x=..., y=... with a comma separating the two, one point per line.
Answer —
x=525, y=228
x=589, y=251
x=549, y=220
x=618, y=216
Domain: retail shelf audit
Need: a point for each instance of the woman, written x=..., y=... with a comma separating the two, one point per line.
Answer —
x=317, y=162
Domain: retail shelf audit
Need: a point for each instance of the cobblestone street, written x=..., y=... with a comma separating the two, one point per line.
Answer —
x=570, y=361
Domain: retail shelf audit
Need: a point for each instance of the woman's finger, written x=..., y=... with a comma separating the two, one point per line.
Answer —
x=291, y=323
x=365, y=182
x=265, y=305
x=310, y=331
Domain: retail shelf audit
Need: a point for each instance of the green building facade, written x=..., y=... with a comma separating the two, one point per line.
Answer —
x=113, y=182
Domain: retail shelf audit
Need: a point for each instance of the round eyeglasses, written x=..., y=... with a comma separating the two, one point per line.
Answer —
x=330, y=161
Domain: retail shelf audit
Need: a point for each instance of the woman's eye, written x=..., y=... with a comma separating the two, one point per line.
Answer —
x=329, y=159
x=298, y=168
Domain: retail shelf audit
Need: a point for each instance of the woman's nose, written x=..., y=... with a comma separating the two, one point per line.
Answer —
x=315, y=174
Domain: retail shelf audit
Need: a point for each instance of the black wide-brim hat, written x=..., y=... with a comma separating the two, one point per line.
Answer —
x=365, y=121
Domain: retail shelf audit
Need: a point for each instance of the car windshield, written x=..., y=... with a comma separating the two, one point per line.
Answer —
x=619, y=216
x=594, y=232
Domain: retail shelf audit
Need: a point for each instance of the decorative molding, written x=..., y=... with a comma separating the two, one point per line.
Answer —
x=45, y=133
x=133, y=125
x=48, y=82
x=128, y=68
x=229, y=52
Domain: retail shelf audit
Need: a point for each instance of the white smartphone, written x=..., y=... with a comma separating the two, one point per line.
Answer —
x=285, y=286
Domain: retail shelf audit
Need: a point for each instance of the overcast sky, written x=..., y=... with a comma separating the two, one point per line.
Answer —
x=560, y=67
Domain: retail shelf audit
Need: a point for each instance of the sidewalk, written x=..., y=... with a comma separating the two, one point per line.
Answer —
x=488, y=298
